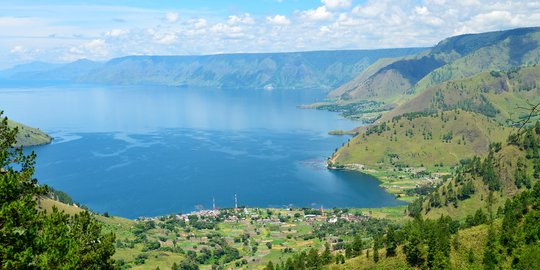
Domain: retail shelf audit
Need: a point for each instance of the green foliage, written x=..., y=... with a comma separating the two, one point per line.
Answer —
x=428, y=243
x=32, y=239
x=186, y=264
x=491, y=253
x=28, y=136
x=391, y=242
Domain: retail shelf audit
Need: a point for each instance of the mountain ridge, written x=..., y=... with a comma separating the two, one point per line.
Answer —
x=453, y=58
x=290, y=70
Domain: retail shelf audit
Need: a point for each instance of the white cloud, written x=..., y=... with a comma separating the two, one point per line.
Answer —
x=197, y=23
x=228, y=31
x=96, y=44
x=117, y=32
x=330, y=25
x=421, y=10
x=319, y=14
x=172, y=17
x=168, y=38
x=278, y=20
x=337, y=4
x=243, y=19
x=371, y=9
x=17, y=49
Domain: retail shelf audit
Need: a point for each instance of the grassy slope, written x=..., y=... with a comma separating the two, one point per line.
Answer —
x=375, y=150
x=196, y=239
x=122, y=229
x=454, y=58
x=506, y=163
x=472, y=238
x=505, y=91
x=503, y=55
x=29, y=136
x=368, y=72
x=47, y=204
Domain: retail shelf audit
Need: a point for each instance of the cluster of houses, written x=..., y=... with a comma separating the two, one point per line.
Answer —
x=250, y=214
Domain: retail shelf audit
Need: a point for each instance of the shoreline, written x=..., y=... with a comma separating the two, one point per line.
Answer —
x=393, y=180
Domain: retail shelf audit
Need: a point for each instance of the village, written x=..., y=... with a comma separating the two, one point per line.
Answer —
x=268, y=215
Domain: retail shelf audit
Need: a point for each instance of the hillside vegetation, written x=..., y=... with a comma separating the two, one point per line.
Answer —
x=31, y=238
x=452, y=59
x=497, y=94
x=29, y=136
x=507, y=170
x=422, y=140
x=486, y=216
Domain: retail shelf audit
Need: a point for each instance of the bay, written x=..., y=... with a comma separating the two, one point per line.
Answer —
x=151, y=150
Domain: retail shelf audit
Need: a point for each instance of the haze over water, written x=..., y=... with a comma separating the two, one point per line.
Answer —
x=147, y=151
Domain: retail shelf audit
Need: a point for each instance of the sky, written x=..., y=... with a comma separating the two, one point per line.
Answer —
x=68, y=30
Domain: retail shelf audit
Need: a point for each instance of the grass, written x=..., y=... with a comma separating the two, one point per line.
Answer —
x=29, y=136
x=394, y=213
x=484, y=92
x=420, y=142
x=48, y=204
x=468, y=239
x=411, y=152
x=505, y=163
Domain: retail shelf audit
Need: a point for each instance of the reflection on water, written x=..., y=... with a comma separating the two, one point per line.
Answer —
x=145, y=151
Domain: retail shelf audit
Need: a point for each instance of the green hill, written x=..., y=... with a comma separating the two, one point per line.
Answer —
x=485, y=216
x=29, y=136
x=453, y=58
x=509, y=169
x=421, y=140
x=496, y=94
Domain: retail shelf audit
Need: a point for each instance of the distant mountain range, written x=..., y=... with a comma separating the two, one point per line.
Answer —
x=318, y=69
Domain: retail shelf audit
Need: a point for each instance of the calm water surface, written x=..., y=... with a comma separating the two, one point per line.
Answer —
x=147, y=151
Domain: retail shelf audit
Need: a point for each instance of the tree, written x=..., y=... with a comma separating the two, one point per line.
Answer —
x=491, y=252
x=438, y=240
x=313, y=261
x=31, y=239
x=187, y=264
x=390, y=242
x=529, y=258
x=269, y=266
x=414, y=248
x=326, y=256
x=357, y=246
x=376, y=246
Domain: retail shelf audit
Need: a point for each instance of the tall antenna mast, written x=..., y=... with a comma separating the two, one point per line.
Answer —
x=214, y=203
x=235, y=201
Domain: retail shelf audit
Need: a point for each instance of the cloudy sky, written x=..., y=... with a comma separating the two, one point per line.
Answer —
x=67, y=30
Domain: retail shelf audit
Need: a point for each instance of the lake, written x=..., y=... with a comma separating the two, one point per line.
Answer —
x=151, y=150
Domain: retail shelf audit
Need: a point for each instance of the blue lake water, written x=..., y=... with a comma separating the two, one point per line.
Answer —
x=147, y=151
